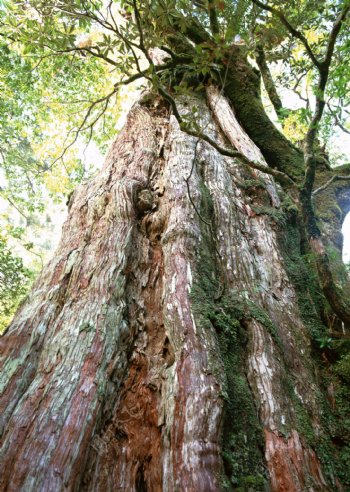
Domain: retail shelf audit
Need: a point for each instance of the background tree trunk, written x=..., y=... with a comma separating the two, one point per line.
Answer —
x=163, y=347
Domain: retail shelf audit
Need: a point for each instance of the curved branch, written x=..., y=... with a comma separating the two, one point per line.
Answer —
x=334, y=33
x=17, y=208
x=330, y=181
x=83, y=126
x=294, y=32
x=309, y=158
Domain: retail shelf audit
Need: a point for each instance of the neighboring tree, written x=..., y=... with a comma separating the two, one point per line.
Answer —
x=192, y=330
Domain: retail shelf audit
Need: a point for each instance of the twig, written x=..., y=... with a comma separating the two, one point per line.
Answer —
x=336, y=119
x=18, y=209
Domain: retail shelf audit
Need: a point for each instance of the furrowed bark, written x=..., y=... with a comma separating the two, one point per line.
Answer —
x=266, y=372
x=163, y=338
x=66, y=351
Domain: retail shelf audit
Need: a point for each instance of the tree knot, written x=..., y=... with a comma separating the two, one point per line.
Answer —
x=146, y=201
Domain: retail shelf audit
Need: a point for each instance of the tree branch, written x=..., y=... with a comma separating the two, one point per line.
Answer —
x=17, y=208
x=83, y=126
x=337, y=122
x=334, y=33
x=330, y=181
x=333, y=294
x=77, y=49
x=213, y=17
x=294, y=32
x=310, y=162
x=269, y=83
x=281, y=177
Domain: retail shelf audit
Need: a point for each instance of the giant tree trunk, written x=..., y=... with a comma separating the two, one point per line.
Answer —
x=162, y=348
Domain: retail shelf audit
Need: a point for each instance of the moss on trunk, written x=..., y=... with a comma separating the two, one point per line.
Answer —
x=242, y=87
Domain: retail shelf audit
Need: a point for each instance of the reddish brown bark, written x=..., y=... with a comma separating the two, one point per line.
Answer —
x=286, y=459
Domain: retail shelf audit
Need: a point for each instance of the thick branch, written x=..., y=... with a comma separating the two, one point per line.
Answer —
x=269, y=83
x=214, y=23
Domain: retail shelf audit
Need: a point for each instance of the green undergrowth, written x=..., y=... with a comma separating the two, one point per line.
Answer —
x=253, y=184
x=275, y=214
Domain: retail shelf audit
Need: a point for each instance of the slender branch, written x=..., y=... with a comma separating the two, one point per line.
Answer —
x=97, y=53
x=142, y=45
x=330, y=181
x=337, y=122
x=341, y=126
x=83, y=126
x=18, y=209
x=109, y=9
x=281, y=177
x=294, y=32
x=298, y=93
x=334, y=33
x=310, y=162
x=38, y=255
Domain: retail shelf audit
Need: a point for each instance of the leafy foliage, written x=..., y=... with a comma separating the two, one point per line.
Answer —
x=14, y=283
x=45, y=96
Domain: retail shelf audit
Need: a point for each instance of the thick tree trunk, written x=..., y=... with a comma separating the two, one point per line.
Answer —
x=162, y=348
